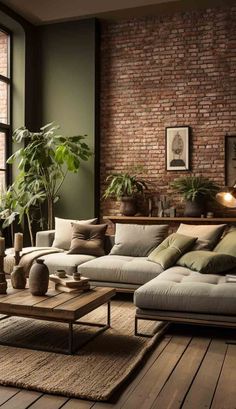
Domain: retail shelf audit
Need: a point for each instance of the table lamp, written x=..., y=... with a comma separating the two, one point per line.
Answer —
x=227, y=197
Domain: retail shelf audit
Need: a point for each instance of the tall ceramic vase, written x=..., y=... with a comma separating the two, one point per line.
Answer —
x=38, y=278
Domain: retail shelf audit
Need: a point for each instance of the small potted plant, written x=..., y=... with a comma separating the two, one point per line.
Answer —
x=195, y=190
x=125, y=187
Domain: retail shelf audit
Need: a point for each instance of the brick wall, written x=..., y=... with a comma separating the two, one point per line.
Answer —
x=3, y=103
x=167, y=71
x=3, y=71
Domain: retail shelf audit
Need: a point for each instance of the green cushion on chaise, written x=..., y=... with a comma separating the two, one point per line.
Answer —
x=227, y=245
x=171, y=249
x=207, y=262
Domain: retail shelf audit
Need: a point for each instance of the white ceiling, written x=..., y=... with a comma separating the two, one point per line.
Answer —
x=45, y=11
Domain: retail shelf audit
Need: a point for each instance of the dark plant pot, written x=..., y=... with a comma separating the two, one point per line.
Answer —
x=128, y=206
x=194, y=208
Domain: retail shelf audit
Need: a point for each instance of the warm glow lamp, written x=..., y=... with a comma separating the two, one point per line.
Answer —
x=227, y=198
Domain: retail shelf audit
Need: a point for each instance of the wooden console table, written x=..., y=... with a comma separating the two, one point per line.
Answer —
x=172, y=221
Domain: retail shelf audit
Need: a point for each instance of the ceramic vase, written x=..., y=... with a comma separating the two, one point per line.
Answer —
x=38, y=278
x=18, y=278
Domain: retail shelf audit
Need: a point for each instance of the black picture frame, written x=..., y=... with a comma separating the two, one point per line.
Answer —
x=230, y=160
x=177, y=148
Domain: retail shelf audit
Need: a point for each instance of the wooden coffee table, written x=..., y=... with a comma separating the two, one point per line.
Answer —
x=57, y=306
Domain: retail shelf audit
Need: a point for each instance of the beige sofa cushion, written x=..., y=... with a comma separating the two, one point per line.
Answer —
x=180, y=289
x=120, y=269
x=208, y=234
x=137, y=240
x=64, y=261
x=63, y=231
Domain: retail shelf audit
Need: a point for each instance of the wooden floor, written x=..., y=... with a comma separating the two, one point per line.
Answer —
x=191, y=368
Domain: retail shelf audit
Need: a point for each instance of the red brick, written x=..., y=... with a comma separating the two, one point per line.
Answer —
x=167, y=71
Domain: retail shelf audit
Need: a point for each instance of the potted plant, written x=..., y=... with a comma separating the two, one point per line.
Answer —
x=43, y=163
x=125, y=187
x=195, y=190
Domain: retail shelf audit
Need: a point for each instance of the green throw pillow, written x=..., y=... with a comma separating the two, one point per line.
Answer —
x=208, y=262
x=228, y=244
x=171, y=249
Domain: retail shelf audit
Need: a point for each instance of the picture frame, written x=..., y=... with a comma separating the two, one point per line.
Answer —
x=230, y=160
x=177, y=148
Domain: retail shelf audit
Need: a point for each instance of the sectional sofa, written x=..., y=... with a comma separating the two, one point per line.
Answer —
x=192, y=289
x=180, y=277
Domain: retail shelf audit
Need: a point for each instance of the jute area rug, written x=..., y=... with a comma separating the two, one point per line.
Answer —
x=93, y=373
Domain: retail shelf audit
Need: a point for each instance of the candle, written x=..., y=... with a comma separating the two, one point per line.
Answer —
x=18, y=241
x=2, y=246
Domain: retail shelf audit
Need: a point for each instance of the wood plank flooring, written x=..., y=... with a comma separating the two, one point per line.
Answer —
x=190, y=368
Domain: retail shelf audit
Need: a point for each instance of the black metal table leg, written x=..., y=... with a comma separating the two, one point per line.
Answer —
x=109, y=313
x=71, y=346
x=135, y=326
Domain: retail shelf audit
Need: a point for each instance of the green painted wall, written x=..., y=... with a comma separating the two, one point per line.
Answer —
x=68, y=98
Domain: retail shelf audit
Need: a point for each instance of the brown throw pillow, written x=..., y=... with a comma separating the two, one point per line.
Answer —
x=88, y=239
x=63, y=231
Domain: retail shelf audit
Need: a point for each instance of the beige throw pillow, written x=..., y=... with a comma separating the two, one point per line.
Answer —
x=63, y=231
x=137, y=240
x=208, y=234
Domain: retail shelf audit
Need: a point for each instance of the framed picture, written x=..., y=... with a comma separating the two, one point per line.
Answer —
x=230, y=160
x=177, y=148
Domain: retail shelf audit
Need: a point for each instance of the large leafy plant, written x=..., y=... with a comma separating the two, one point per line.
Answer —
x=124, y=184
x=43, y=163
x=195, y=187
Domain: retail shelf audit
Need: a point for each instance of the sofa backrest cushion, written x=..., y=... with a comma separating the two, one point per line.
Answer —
x=208, y=262
x=137, y=240
x=63, y=231
x=88, y=239
x=208, y=234
x=171, y=249
x=227, y=244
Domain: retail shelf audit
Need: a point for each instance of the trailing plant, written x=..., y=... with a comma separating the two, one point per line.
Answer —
x=44, y=162
x=124, y=184
x=195, y=187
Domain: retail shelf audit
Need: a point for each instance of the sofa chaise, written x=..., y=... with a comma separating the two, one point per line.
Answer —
x=182, y=295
